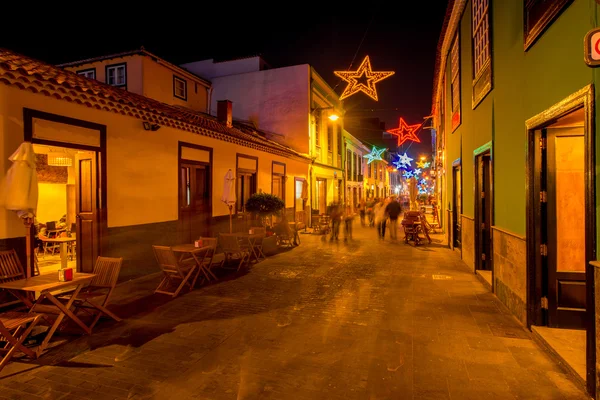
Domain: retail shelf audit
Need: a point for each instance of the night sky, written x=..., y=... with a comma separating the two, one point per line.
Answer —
x=398, y=36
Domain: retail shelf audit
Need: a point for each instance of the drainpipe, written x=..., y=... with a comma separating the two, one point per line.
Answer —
x=209, y=95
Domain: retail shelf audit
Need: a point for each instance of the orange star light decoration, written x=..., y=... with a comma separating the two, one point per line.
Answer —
x=362, y=80
x=405, y=132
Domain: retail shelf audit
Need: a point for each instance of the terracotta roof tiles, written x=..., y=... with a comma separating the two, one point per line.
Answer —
x=42, y=78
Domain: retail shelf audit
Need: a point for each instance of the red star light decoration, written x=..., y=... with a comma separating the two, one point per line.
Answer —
x=356, y=79
x=405, y=132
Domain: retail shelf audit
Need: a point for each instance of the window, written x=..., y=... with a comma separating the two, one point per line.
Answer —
x=116, y=75
x=481, y=37
x=355, y=166
x=339, y=142
x=349, y=164
x=329, y=137
x=246, y=179
x=455, y=71
x=179, y=88
x=482, y=66
x=88, y=73
x=278, y=180
x=318, y=129
x=539, y=15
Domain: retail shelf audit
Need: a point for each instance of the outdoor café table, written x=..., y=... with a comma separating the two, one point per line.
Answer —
x=62, y=241
x=45, y=285
x=188, y=249
x=251, y=238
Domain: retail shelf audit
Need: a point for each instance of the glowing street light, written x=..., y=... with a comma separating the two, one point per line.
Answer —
x=334, y=117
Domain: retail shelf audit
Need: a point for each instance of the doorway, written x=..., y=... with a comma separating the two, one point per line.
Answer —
x=561, y=225
x=456, y=204
x=72, y=191
x=484, y=198
x=195, y=209
x=321, y=196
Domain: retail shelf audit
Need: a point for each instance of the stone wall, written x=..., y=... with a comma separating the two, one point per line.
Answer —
x=468, y=241
x=510, y=272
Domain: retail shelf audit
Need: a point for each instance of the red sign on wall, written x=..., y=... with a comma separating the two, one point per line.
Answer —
x=591, y=46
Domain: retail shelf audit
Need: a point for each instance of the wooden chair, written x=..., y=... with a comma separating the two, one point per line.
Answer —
x=11, y=269
x=15, y=327
x=425, y=226
x=107, y=271
x=175, y=271
x=230, y=245
x=258, y=242
x=218, y=257
x=203, y=258
x=411, y=229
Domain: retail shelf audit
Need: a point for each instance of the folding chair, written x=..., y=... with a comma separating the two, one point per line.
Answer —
x=203, y=257
x=14, y=331
x=11, y=268
x=100, y=288
x=175, y=270
x=217, y=256
x=231, y=246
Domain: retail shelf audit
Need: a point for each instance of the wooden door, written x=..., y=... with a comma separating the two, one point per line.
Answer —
x=565, y=227
x=246, y=187
x=321, y=195
x=88, y=232
x=484, y=212
x=456, y=206
x=195, y=208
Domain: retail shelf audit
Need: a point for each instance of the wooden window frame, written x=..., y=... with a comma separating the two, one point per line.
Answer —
x=482, y=59
x=283, y=177
x=178, y=79
x=86, y=71
x=239, y=170
x=455, y=82
x=533, y=30
x=115, y=66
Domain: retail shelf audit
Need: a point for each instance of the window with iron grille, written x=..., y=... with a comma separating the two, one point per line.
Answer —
x=482, y=50
x=481, y=35
x=455, y=72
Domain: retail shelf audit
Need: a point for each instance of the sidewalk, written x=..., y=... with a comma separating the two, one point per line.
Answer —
x=361, y=319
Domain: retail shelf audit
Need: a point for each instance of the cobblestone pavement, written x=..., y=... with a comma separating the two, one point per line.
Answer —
x=363, y=319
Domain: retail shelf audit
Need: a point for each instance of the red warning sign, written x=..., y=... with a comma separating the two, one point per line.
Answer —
x=592, y=47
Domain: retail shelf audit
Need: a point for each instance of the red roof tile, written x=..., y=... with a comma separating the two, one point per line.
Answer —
x=39, y=77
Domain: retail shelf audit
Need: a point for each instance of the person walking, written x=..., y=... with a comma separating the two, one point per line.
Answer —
x=336, y=220
x=393, y=210
x=381, y=217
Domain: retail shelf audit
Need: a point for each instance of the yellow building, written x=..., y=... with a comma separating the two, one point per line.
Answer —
x=141, y=172
x=355, y=167
x=326, y=145
x=139, y=71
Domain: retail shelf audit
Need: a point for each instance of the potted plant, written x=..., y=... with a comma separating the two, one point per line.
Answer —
x=264, y=206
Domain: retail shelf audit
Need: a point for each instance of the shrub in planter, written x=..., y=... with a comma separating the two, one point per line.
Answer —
x=264, y=205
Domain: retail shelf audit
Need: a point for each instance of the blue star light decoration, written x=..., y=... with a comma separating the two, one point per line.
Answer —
x=423, y=182
x=404, y=160
x=374, y=155
x=417, y=171
x=407, y=174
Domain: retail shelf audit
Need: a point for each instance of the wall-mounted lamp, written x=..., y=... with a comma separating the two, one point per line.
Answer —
x=151, y=127
x=333, y=116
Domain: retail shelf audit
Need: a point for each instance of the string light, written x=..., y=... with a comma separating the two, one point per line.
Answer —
x=405, y=132
x=364, y=70
x=375, y=155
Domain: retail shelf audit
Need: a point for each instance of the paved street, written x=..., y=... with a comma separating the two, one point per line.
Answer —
x=362, y=319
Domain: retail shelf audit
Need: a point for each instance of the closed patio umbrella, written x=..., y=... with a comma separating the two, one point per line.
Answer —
x=20, y=190
x=228, y=196
x=413, y=191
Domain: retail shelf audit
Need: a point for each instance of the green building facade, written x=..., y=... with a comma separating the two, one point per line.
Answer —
x=514, y=113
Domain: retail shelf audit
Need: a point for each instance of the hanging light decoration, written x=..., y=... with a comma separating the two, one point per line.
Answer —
x=59, y=159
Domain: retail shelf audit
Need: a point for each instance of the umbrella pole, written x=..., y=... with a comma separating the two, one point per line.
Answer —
x=28, y=222
x=230, y=224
